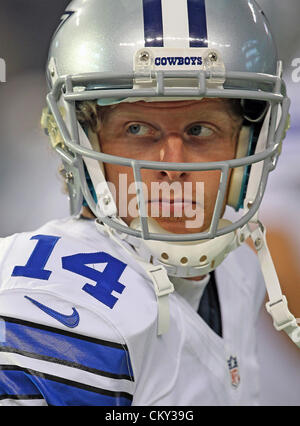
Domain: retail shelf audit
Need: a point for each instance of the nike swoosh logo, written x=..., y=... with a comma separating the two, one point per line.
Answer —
x=70, y=321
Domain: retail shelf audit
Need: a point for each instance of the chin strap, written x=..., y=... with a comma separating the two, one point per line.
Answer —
x=157, y=274
x=277, y=306
x=163, y=287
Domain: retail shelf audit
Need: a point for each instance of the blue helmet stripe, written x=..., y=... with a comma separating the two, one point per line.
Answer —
x=197, y=23
x=153, y=23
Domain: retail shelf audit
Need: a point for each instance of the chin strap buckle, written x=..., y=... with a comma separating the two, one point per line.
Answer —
x=163, y=287
x=159, y=278
x=282, y=318
x=277, y=306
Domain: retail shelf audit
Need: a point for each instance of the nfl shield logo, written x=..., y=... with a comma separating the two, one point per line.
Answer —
x=234, y=371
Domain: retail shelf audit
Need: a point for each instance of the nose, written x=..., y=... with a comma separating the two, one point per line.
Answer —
x=173, y=151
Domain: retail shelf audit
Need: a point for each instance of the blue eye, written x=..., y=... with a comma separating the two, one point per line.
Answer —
x=134, y=129
x=138, y=129
x=198, y=130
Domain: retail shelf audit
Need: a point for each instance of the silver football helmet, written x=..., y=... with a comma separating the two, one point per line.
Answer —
x=110, y=52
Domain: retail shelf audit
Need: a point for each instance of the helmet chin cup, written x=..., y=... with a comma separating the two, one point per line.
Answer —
x=187, y=259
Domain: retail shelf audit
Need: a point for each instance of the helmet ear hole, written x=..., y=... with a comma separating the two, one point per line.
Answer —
x=254, y=110
x=238, y=178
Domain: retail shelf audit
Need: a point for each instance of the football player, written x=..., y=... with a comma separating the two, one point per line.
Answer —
x=164, y=113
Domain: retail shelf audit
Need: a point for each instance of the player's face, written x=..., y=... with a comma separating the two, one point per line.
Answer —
x=181, y=132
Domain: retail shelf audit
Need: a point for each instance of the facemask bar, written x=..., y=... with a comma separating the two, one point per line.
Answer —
x=72, y=153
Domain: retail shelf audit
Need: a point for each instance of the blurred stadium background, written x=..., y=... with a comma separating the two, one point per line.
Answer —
x=31, y=191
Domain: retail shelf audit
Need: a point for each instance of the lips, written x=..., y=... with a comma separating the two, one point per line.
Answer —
x=176, y=207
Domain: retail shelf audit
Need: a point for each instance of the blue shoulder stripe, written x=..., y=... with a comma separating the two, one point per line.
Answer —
x=63, y=332
x=57, y=391
x=100, y=357
x=13, y=386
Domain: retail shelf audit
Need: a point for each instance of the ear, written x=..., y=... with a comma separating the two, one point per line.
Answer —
x=96, y=174
x=238, y=180
x=94, y=140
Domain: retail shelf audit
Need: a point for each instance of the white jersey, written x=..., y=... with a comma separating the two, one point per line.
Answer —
x=79, y=327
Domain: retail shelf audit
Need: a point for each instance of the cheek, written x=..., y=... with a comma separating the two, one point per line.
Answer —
x=118, y=175
x=223, y=149
x=211, y=181
x=122, y=179
x=122, y=185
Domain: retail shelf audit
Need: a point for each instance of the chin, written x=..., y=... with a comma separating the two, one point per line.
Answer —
x=178, y=225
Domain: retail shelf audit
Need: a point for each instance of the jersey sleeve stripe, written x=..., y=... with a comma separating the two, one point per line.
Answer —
x=28, y=402
x=65, y=373
x=63, y=332
x=12, y=387
x=58, y=391
x=23, y=397
x=8, y=350
x=67, y=349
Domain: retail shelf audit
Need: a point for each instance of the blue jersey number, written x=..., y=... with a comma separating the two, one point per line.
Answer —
x=35, y=267
x=106, y=281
